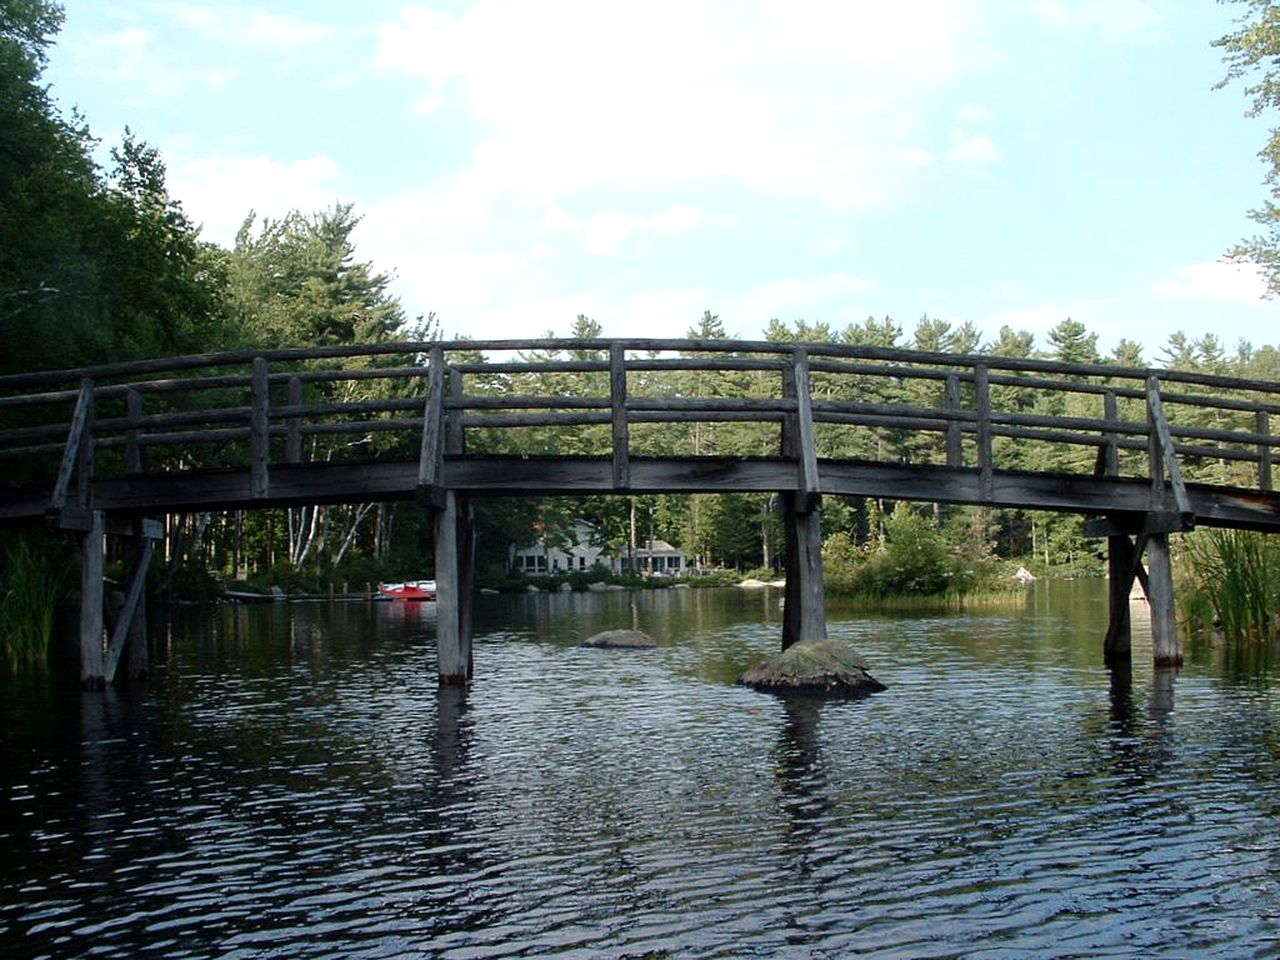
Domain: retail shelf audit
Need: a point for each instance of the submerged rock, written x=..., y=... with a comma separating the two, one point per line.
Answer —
x=620, y=639
x=815, y=667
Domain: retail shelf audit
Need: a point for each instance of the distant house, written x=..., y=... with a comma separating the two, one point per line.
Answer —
x=578, y=548
x=560, y=551
x=654, y=557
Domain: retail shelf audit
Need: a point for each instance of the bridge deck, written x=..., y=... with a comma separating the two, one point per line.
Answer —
x=395, y=421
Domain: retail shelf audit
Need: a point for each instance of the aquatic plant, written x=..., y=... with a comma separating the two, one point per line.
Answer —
x=1234, y=576
x=32, y=581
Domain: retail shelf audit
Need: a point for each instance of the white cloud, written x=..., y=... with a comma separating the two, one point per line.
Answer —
x=972, y=113
x=973, y=150
x=607, y=231
x=811, y=99
x=1221, y=281
x=835, y=298
x=251, y=26
x=219, y=191
x=917, y=157
x=1116, y=21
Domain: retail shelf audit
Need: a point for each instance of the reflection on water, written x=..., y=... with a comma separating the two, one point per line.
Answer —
x=292, y=783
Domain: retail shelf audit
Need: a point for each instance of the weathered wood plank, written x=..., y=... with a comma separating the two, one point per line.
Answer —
x=1263, y=427
x=133, y=462
x=455, y=439
x=955, y=452
x=453, y=643
x=1120, y=571
x=431, y=454
x=1166, y=645
x=1163, y=452
x=91, y=636
x=982, y=418
x=621, y=429
x=809, y=485
x=125, y=629
x=1111, y=456
x=73, y=452
x=293, y=438
x=804, y=612
x=259, y=438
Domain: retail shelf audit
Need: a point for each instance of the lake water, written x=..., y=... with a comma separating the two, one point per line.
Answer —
x=292, y=783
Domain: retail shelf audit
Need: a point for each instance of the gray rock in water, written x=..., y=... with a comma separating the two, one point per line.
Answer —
x=620, y=639
x=814, y=668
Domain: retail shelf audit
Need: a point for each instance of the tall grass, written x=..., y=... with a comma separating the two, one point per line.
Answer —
x=32, y=581
x=1233, y=575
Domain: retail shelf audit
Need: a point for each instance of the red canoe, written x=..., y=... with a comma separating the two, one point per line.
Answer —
x=409, y=590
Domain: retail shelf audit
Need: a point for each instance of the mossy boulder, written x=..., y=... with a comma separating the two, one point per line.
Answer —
x=814, y=668
x=620, y=640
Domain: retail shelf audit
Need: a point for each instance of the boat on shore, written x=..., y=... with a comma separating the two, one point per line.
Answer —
x=408, y=590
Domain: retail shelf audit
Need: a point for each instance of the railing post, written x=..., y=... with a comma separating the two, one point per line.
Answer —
x=78, y=453
x=132, y=445
x=955, y=452
x=1110, y=446
x=618, y=406
x=293, y=437
x=259, y=435
x=455, y=439
x=1162, y=455
x=1263, y=426
x=982, y=414
x=84, y=467
x=808, y=452
x=431, y=456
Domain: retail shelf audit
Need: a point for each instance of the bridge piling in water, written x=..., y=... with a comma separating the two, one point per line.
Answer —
x=455, y=580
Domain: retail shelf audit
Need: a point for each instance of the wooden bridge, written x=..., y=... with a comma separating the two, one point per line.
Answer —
x=1142, y=453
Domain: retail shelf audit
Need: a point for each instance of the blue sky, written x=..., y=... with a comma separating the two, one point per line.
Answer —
x=518, y=163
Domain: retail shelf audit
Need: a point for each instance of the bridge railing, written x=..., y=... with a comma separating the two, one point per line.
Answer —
x=628, y=399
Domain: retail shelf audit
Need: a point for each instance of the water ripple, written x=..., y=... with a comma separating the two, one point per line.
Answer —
x=292, y=783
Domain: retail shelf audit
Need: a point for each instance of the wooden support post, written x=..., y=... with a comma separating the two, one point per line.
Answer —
x=92, y=673
x=259, y=436
x=1121, y=563
x=804, y=615
x=1263, y=426
x=982, y=413
x=955, y=452
x=130, y=630
x=137, y=653
x=293, y=435
x=454, y=547
x=1165, y=644
x=618, y=405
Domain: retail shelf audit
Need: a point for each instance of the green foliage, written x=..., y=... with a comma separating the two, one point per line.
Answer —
x=1252, y=50
x=296, y=282
x=1234, y=575
x=92, y=265
x=914, y=559
x=33, y=577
